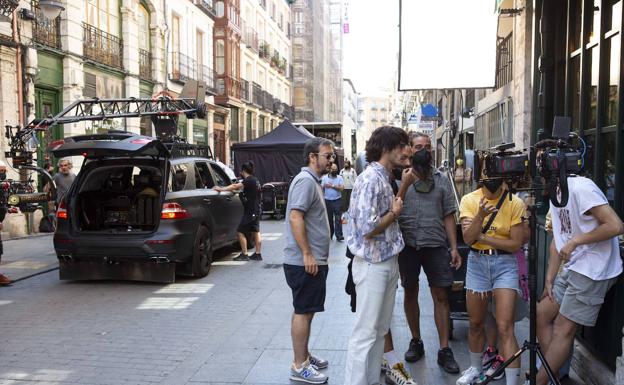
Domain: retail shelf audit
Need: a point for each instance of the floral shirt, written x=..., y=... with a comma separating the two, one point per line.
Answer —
x=371, y=199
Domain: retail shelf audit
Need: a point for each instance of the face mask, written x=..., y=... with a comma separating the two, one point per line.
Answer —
x=334, y=173
x=2, y=175
x=492, y=184
x=422, y=158
x=397, y=173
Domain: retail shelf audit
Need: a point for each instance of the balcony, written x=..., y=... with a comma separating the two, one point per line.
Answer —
x=504, y=61
x=245, y=90
x=250, y=38
x=101, y=46
x=229, y=86
x=264, y=49
x=207, y=7
x=275, y=59
x=256, y=94
x=267, y=101
x=207, y=74
x=183, y=67
x=145, y=64
x=46, y=31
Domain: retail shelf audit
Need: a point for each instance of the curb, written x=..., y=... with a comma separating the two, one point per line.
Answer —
x=28, y=237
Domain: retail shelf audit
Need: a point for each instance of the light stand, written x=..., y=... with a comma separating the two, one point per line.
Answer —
x=531, y=345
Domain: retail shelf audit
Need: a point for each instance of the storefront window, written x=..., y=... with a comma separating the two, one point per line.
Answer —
x=575, y=92
x=608, y=165
x=594, y=30
x=615, y=21
x=575, y=25
x=594, y=59
x=590, y=141
x=612, y=91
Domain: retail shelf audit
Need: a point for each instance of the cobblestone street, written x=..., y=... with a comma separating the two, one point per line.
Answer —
x=231, y=327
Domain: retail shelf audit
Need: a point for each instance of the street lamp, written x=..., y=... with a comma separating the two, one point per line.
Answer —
x=51, y=8
x=6, y=9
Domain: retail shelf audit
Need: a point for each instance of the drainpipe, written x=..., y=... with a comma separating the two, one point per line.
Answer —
x=18, y=64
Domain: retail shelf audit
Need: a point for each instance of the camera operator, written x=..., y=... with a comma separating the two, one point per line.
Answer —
x=492, y=269
x=585, y=235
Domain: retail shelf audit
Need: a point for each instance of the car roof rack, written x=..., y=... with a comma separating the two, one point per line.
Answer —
x=183, y=149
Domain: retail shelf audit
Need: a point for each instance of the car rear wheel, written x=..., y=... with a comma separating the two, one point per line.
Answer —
x=202, y=252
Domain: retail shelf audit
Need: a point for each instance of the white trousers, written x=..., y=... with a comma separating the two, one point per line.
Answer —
x=375, y=287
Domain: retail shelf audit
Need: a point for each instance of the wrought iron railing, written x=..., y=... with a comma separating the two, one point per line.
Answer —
x=145, y=64
x=245, y=91
x=208, y=75
x=264, y=50
x=182, y=67
x=102, y=47
x=251, y=39
x=256, y=94
x=207, y=6
x=47, y=31
x=504, y=61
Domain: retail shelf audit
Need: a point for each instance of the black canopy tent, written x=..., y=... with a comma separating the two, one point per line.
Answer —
x=278, y=155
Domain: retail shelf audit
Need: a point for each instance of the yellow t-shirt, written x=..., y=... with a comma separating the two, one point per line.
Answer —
x=509, y=215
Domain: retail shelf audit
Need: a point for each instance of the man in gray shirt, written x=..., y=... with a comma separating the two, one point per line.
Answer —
x=64, y=178
x=306, y=254
x=428, y=226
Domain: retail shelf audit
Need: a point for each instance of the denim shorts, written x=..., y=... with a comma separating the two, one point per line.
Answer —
x=485, y=273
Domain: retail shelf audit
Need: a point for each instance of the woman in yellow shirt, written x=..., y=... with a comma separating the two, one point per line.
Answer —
x=492, y=269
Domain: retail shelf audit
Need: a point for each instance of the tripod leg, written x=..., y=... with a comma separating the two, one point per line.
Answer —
x=551, y=376
x=505, y=364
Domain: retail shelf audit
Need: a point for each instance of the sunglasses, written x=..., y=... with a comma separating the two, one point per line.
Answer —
x=329, y=156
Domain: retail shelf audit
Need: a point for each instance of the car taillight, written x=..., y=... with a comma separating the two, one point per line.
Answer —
x=173, y=211
x=61, y=212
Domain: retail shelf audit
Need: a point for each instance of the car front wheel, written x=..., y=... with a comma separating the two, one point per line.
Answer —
x=202, y=252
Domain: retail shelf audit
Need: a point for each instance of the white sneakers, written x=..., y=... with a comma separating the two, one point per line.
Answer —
x=469, y=376
x=398, y=375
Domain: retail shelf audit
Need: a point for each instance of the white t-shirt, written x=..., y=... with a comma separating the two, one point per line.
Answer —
x=598, y=261
x=349, y=177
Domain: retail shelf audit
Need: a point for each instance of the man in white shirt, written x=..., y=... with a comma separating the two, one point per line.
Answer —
x=585, y=237
x=348, y=175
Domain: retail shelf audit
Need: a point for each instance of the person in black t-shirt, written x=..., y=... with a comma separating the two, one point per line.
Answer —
x=250, y=222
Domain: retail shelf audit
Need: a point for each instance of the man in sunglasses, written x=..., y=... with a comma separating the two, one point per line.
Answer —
x=428, y=226
x=306, y=254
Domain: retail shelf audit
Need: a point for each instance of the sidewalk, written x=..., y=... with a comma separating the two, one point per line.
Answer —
x=28, y=256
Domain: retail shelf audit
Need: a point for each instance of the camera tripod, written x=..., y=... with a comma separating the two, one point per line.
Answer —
x=531, y=345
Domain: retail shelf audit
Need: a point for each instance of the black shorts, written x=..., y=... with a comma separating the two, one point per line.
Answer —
x=250, y=223
x=308, y=290
x=434, y=260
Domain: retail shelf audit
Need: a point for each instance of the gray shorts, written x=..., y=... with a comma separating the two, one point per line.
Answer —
x=580, y=297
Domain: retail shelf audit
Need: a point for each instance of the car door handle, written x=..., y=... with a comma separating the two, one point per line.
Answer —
x=228, y=198
x=208, y=201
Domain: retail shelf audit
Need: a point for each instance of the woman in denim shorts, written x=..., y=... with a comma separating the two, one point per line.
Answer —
x=492, y=270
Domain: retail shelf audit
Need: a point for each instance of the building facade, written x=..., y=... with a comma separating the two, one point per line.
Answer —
x=373, y=112
x=312, y=62
x=349, y=118
x=266, y=67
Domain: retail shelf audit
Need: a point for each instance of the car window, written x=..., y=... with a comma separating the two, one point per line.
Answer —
x=203, y=178
x=220, y=178
x=179, y=173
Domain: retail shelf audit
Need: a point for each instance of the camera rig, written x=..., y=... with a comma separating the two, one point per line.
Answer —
x=163, y=109
x=552, y=159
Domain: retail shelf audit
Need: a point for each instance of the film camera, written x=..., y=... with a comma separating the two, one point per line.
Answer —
x=552, y=159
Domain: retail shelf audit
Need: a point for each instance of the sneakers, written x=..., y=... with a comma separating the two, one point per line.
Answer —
x=256, y=257
x=241, y=257
x=318, y=362
x=415, y=352
x=308, y=373
x=468, y=376
x=447, y=361
x=488, y=357
x=398, y=375
x=496, y=363
x=4, y=280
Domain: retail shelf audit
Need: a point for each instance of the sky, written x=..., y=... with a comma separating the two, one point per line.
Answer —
x=371, y=47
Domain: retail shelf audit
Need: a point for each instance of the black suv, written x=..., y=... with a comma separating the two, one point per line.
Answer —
x=141, y=209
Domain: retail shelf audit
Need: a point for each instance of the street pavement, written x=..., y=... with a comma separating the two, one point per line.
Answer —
x=231, y=327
